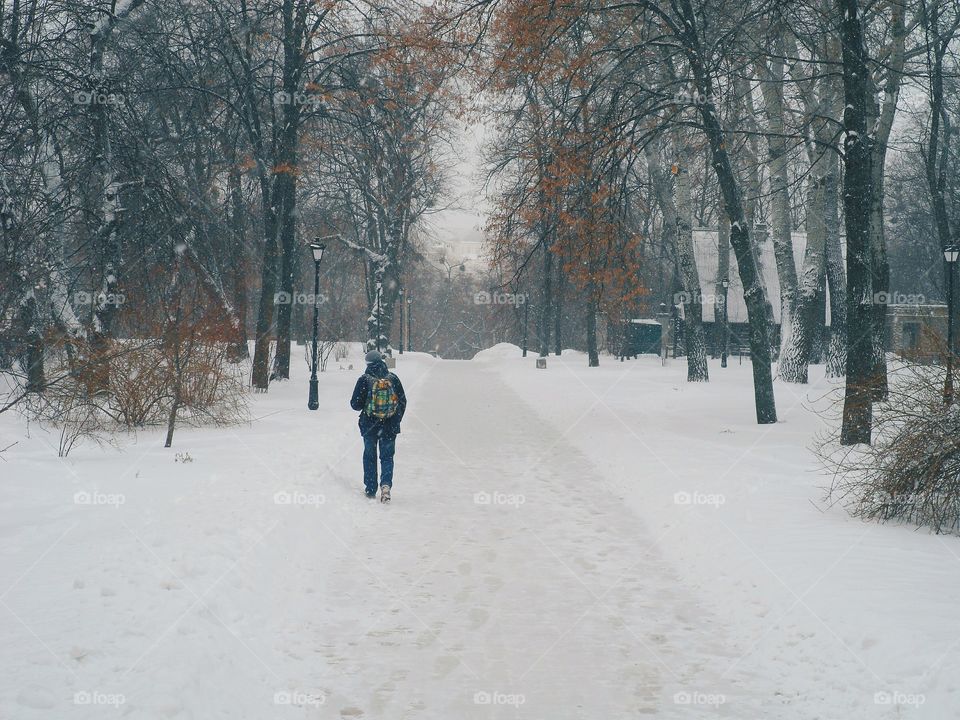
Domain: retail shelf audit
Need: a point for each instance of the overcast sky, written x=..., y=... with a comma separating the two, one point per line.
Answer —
x=466, y=214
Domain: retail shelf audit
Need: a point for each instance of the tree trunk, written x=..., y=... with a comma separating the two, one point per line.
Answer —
x=102, y=206
x=818, y=328
x=880, y=269
x=822, y=107
x=543, y=318
x=882, y=125
x=558, y=310
x=723, y=273
x=795, y=355
x=593, y=356
x=34, y=351
x=380, y=319
x=288, y=266
x=694, y=338
x=238, y=220
x=836, y=277
x=268, y=289
x=288, y=154
x=754, y=292
x=821, y=213
x=777, y=156
x=750, y=168
x=676, y=208
x=858, y=196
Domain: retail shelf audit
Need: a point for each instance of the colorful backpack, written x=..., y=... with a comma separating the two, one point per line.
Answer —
x=382, y=400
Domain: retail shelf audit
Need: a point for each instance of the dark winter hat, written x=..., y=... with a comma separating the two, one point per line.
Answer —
x=373, y=356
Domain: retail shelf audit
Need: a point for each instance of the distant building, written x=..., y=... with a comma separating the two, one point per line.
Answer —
x=917, y=332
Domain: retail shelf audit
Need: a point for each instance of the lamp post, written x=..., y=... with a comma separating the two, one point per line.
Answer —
x=950, y=254
x=379, y=296
x=409, y=324
x=402, y=311
x=664, y=317
x=317, y=248
x=526, y=318
x=675, y=311
x=726, y=324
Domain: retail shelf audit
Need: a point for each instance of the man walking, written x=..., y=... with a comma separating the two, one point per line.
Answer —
x=379, y=397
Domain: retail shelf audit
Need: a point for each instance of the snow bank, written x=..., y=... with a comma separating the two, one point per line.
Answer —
x=499, y=352
x=506, y=351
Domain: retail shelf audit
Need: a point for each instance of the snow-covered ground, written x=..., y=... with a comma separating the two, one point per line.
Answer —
x=564, y=543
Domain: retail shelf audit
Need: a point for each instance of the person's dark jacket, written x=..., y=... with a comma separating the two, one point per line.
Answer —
x=388, y=426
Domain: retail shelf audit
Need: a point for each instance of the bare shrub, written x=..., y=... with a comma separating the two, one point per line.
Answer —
x=205, y=386
x=911, y=471
x=212, y=386
x=181, y=370
x=66, y=406
x=139, y=385
x=325, y=350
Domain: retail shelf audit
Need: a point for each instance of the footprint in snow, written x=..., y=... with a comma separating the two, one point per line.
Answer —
x=478, y=617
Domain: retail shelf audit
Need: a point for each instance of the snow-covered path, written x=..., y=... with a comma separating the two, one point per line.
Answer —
x=505, y=580
x=506, y=572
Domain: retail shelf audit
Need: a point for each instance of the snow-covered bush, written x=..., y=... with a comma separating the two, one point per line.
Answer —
x=146, y=379
x=911, y=471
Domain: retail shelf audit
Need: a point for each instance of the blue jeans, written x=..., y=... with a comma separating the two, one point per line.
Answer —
x=387, y=444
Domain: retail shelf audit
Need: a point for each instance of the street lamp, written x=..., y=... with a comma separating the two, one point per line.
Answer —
x=950, y=254
x=526, y=319
x=317, y=248
x=409, y=324
x=400, y=293
x=726, y=324
x=379, y=297
x=675, y=311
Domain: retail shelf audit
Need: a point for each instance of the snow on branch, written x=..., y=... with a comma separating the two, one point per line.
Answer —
x=121, y=10
x=374, y=257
